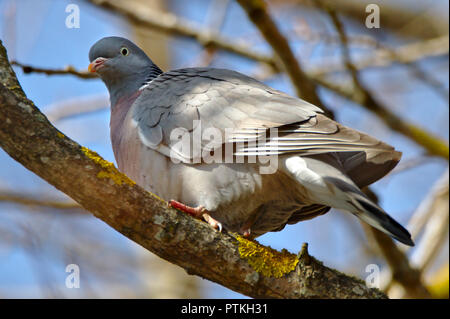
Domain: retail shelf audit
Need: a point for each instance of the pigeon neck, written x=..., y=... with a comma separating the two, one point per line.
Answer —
x=127, y=86
x=152, y=73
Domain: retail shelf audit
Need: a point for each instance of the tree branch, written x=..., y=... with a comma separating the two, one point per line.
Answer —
x=241, y=265
x=433, y=144
x=171, y=24
x=405, y=21
x=14, y=197
x=258, y=14
x=432, y=215
x=48, y=71
x=401, y=269
x=436, y=229
x=406, y=275
x=65, y=109
x=403, y=273
x=257, y=11
x=383, y=57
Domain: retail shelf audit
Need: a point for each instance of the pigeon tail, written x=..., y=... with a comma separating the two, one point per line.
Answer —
x=326, y=184
x=375, y=216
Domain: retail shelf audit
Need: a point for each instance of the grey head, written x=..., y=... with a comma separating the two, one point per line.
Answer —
x=121, y=65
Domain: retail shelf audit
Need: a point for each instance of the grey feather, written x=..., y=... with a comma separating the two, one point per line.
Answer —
x=321, y=163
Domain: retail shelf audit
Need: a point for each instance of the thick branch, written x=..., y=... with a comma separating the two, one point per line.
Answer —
x=234, y=262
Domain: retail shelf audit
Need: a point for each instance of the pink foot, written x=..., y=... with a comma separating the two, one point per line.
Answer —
x=198, y=212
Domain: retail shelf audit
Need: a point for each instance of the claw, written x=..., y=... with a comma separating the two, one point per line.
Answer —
x=214, y=223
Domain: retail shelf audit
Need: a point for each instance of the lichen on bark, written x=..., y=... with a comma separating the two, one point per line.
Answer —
x=265, y=260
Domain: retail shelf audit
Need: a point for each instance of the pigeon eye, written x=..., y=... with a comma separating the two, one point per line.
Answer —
x=124, y=51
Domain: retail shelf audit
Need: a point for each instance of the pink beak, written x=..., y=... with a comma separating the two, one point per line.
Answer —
x=96, y=64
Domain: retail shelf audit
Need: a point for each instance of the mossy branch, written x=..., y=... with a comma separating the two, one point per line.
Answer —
x=234, y=262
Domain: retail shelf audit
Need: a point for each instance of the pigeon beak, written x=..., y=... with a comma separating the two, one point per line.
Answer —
x=95, y=65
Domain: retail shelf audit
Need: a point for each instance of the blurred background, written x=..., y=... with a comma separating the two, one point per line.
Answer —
x=403, y=64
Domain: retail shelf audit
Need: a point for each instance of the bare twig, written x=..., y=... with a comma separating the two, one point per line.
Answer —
x=403, y=20
x=383, y=57
x=432, y=217
x=67, y=70
x=215, y=18
x=433, y=144
x=217, y=12
x=13, y=197
x=408, y=277
x=401, y=270
x=436, y=208
x=258, y=13
x=73, y=107
x=408, y=164
x=171, y=24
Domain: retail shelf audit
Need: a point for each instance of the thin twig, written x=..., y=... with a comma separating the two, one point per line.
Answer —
x=259, y=15
x=407, y=276
x=76, y=106
x=436, y=228
x=215, y=18
x=48, y=71
x=433, y=144
x=171, y=24
x=13, y=197
x=384, y=57
x=400, y=269
x=425, y=211
x=431, y=217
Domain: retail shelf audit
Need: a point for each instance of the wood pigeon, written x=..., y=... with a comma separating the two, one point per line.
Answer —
x=227, y=148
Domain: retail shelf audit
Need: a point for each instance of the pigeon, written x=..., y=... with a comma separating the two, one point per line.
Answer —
x=228, y=149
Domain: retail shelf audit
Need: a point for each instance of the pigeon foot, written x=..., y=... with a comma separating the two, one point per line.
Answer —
x=199, y=212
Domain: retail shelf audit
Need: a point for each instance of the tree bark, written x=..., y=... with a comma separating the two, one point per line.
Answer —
x=228, y=259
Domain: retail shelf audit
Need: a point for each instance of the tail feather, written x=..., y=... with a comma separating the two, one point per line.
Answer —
x=376, y=217
x=328, y=185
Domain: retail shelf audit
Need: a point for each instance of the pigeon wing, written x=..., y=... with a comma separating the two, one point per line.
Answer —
x=242, y=110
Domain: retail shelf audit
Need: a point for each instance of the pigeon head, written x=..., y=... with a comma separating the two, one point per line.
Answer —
x=121, y=65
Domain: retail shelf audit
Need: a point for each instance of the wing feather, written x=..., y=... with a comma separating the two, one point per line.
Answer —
x=244, y=111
